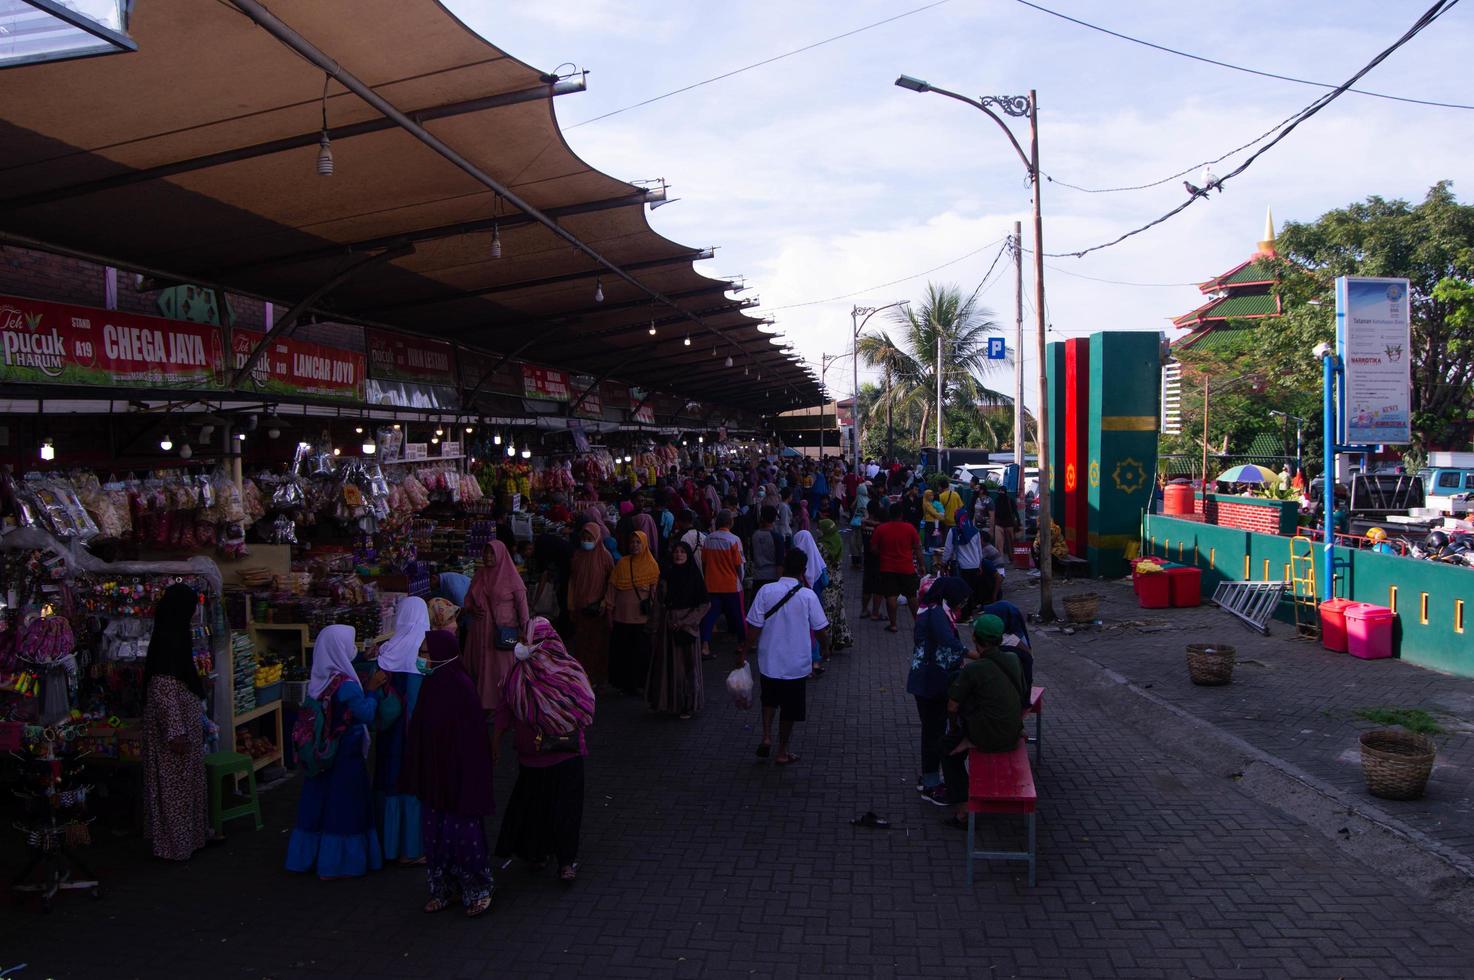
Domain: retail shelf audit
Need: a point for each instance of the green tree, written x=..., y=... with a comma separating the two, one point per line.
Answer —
x=909, y=360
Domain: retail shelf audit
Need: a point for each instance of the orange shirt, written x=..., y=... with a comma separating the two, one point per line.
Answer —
x=721, y=559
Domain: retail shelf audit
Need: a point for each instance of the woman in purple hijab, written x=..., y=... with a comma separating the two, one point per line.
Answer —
x=447, y=766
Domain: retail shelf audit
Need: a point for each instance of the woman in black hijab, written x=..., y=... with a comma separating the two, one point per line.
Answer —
x=173, y=738
x=674, y=683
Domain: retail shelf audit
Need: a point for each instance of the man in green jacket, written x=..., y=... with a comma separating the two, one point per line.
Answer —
x=985, y=706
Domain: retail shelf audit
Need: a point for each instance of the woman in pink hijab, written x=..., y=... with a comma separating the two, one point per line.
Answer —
x=801, y=519
x=497, y=603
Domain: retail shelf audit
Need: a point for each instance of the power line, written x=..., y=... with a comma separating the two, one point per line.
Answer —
x=1110, y=282
x=893, y=282
x=1195, y=194
x=757, y=64
x=1232, y=67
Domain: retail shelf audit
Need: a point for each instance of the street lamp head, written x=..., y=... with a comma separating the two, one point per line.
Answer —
x=1320, y=350
x=914, y=84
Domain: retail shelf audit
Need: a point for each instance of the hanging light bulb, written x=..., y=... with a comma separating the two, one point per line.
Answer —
x=186, y=451
x=435, y=440
x=598, y=290
x=396, y=426
x=728, y=361
x=652, y=328
x=325, y=144
x=470, y=429
x=700, y=439
x=48, y=450
x=527, y=454
x=273, y=433
x=166, y=443
x=337, y=451
x=496, y=240
x=358, y=430
x=324, y=156
x=687, y=341
x=496, y=440
x=369, y=447
x=746, y=370
x=511, y=449
x=240, y=437
x=439, y=430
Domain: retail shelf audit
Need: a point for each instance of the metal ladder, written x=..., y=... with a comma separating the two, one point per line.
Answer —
x=1251, y=602
x=1302, y=586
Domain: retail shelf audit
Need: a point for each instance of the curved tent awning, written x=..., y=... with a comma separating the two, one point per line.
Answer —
x=196, y=156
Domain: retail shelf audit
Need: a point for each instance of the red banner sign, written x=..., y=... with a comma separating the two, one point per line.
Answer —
x=544, y=383
x=299, y=367
x=55, y=343
x=592, y=406
x=642, y=407
x=400, y=357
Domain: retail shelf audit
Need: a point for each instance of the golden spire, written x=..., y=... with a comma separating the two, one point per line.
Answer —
x=1266, y=247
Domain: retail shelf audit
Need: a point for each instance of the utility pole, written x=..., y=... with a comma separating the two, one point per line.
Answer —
x=890, y=426
x=855, y=382
x=938, y=327
x=1018, y=370
x=1046, y=552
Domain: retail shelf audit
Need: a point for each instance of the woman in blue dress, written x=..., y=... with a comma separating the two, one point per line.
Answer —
x=399, y=813
x=335, y=833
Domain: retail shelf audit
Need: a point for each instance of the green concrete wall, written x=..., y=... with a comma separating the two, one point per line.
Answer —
x=1125, y=388
x=1427, y=594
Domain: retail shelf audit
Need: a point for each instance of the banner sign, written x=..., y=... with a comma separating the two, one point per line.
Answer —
x=55, y=343
x=299, y=367
x=545, y=383
x=400, y=357
x=642, y=412
x=1373, y=339
x=592, y=405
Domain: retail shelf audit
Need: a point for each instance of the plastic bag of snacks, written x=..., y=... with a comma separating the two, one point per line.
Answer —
x=46, y=639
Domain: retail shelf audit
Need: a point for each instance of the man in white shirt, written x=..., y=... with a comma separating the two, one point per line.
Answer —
x=785, y=618
x=871, y=469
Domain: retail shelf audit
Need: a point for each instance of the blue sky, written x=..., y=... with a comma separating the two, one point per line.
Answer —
x=816, y=177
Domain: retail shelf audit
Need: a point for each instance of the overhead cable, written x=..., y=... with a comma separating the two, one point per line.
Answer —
x=756, y=64
x=1197, y=193
x=1233, y=67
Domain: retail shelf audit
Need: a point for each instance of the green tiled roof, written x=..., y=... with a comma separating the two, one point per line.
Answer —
x=1259, y=270
x=1231, y=306
x=1222, y=338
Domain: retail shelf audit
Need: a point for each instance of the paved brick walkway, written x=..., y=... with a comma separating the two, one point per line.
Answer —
x=698, y=861
x=1296, y=701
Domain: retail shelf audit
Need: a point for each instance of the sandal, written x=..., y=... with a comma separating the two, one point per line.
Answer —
x=436, y=905
x=786, y=760
x=892, y=629
x=568, y=873
x=870, y=819
x=480, y=906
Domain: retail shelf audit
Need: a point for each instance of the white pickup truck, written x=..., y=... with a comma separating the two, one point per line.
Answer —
x=1448, y=483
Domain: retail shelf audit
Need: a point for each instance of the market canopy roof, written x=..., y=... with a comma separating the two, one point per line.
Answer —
x=195, y=158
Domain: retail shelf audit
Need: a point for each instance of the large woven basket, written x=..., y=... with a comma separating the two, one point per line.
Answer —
x=1396, y=763
x=1210, y=664
x=1082, y=608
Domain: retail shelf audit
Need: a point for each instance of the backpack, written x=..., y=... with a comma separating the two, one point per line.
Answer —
x=316, y=734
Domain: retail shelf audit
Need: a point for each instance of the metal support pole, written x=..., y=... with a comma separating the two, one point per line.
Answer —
x=855, y=383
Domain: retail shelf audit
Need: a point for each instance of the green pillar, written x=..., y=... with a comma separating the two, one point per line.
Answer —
x=1125, y=388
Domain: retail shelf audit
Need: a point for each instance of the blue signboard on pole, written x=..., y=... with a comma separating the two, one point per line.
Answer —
x=997, y=349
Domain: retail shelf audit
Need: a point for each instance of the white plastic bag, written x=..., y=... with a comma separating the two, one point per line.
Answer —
x=739, y=685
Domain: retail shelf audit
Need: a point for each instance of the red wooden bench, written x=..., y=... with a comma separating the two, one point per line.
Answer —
x=1000, y=782
x=1035, y=707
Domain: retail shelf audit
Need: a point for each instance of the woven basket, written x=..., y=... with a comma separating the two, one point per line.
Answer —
x=1082, y=608
x=1210, y=664
x=1396, y=764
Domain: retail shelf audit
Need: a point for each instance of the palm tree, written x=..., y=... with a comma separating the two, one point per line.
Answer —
x=909, y=360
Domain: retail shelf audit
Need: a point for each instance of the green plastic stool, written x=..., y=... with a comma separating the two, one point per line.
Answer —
x=220, y=766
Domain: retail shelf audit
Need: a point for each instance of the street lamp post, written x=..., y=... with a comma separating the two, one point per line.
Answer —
x=1019, y=106
x=855, y=327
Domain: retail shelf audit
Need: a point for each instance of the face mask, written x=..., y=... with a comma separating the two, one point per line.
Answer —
x=423, y=665
x=586, y=545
